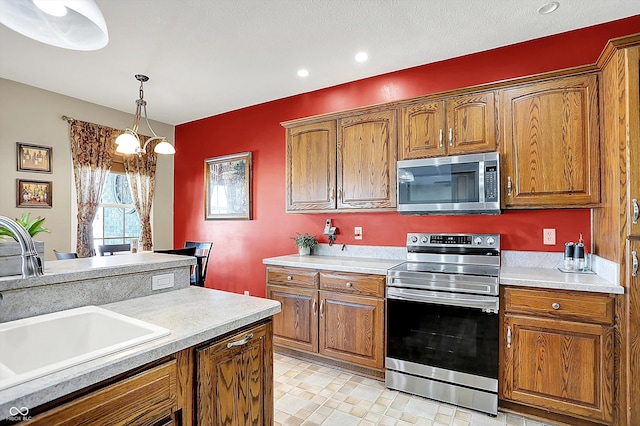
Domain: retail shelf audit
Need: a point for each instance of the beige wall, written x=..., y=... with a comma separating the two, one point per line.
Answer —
x=32, y=115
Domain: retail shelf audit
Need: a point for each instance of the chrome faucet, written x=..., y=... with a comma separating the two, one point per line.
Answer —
x=31, y=262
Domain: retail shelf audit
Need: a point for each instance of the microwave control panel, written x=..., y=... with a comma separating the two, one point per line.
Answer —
x=491, y=181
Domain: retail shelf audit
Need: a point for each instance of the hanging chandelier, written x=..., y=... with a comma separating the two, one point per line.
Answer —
x=129, y=141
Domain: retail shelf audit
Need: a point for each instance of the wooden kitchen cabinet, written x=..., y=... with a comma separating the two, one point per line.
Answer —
x=331, y=317
x=551, y=143
x=461, y=125
x=311, y=166
x=633, y=134
x=344, y=162
x=235, y=379
x=557, y=352
x=146, y=398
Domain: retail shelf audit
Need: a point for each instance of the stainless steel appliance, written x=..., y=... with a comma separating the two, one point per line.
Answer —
x=459, y=184
x=442, y=319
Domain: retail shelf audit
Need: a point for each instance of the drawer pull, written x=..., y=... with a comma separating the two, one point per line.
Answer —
x=555, y=305
x=313, y=307
x=634, y=268
x=241, y=342
x=289, y=277
x=348, y=285
x=509, y=337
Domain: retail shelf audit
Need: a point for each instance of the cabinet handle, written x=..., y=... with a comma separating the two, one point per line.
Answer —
x=289, y=277
x=313, y=307
x=241, y=342
x=634, y=262
x=555, y=305
x=636, y=211
x=348, y=285
x=441, y=137
x=509, y=186
x=340, y=193
x=332, y=194
x=509, y=337
x=450, y=136
x=322, y=309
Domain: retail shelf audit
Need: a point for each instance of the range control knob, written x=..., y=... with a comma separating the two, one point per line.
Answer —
x=478, y=241
x=491, y=241
x=424, y=240
x=413, y=239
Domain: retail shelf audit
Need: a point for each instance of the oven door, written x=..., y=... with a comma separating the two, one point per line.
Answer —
x=443, y=334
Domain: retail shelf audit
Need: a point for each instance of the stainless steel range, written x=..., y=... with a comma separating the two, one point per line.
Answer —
x=442, y=319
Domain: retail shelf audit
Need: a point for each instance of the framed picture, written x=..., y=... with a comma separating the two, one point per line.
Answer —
x=34, y=158
x=228, y=187
x=34, y=193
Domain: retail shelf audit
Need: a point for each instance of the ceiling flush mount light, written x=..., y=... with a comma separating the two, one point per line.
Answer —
x=303, y=73
x=129, y=141
x=361, y=57
x=548, y=8
x=70, y=24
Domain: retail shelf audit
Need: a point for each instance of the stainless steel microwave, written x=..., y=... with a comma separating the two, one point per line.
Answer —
x=461, y=184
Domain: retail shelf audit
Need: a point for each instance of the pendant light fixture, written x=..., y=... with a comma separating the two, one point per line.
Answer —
x=129, y=141
x=70, y=24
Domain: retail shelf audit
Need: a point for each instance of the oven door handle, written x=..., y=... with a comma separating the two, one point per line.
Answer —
x=486, y=304
x=437, y=282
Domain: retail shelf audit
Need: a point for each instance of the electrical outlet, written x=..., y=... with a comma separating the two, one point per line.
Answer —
x=159, y=282
x=549, y=237
x=246, y=292
x=357, y=231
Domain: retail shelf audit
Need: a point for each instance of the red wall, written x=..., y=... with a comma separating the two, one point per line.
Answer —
x=239, y=246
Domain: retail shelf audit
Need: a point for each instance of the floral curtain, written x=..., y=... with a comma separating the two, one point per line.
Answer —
x=92, y=151
x=141, y=173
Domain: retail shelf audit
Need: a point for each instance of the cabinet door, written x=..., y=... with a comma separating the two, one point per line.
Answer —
x=235, y=380
x=560, y=366
x=296, y=325
x=367, y=145
x=422, y=131
x=352, y=328
x=551, y=143
x=631, y=307
x=633, y=132
x=311, y=166
x=471, y=123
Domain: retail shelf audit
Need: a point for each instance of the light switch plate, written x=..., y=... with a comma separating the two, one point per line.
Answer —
x=160, y=282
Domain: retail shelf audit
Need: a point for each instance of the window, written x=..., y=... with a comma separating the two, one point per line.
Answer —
x=116, y=221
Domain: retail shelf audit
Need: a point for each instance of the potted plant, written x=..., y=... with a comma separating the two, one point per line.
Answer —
x=305, y=243
x=10, y=252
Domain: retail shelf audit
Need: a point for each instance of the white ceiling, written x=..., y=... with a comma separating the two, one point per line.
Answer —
x=205, y=57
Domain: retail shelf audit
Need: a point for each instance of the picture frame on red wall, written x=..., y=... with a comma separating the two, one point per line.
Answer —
x=227, y=181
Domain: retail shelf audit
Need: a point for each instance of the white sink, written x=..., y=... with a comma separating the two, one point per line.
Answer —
x=37, y=346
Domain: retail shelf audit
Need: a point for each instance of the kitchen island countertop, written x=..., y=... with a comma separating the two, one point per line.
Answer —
x=194, y=315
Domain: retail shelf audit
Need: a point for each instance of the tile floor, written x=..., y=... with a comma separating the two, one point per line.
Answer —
x=308, y=394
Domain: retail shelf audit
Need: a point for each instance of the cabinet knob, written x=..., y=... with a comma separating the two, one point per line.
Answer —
x=555, y=305
x=348, y=285
x=289, y=277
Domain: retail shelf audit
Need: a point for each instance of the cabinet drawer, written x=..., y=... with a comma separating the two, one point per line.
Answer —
x=369, y=285
x=597, y=308
x=292, y=276
x=144, y=399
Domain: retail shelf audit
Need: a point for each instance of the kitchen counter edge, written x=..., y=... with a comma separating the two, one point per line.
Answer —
x=194, y=315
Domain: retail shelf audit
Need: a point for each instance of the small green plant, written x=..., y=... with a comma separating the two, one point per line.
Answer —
x=33, y=227
x=305, y=240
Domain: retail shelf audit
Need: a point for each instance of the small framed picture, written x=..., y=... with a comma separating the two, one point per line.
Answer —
x=228, y=187
x=34, y=158
x=34, y=193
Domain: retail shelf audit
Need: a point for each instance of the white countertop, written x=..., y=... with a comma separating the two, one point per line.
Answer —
x=194, y=315
x=335, y=263
x=517, y=276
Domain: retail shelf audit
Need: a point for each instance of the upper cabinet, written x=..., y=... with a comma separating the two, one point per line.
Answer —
x=551, y=143
x=460, y=125
x=351, y=165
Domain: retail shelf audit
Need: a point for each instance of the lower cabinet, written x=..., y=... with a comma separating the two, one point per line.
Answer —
x=558, y=353
x=235, y=380
x=332, y=317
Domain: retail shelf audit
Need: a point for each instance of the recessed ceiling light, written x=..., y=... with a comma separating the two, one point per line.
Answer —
x=546, y=9
x=361, y=56
x=303, y=73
